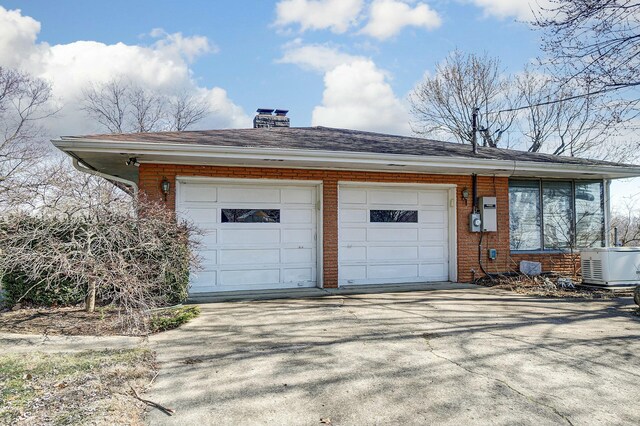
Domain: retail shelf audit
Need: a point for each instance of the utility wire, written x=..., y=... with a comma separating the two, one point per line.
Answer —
x=570, y=98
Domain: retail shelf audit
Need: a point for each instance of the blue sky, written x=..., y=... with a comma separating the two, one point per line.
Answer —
x=340, y=63
x=248, y=44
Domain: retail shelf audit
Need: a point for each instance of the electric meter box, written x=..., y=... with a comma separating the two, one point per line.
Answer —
x=488, y=212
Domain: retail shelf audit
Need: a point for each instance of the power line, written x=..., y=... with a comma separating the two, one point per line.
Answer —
x=570, y=98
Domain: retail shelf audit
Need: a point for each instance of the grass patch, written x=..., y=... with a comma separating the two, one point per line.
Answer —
x=168, y=319
x=89, y=387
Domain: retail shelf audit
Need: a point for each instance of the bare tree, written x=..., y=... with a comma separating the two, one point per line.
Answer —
x=445, y=101
x=556, y=121
x=185, y=110
x=627, y=220
x=593, y=41
x=120, y=106
x=24, y=104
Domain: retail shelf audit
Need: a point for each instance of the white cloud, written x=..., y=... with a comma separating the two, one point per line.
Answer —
x=179, y=45
x=162, y=66
x=357, y=95
x=336, y=15
x=315, y=57
x=388, y=17
x=519, y=9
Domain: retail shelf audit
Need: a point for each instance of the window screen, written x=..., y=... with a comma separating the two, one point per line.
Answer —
x=393, y=216
x=557, y=207
x=250, y=216
x=589, y=214
x=524, y=215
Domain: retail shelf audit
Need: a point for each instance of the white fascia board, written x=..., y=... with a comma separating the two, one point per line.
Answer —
x=492, y=166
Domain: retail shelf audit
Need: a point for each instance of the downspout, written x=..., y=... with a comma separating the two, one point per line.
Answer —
x=85, y=168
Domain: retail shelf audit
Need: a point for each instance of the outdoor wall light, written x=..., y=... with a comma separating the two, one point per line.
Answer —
x=165, y=187
x=465, y=195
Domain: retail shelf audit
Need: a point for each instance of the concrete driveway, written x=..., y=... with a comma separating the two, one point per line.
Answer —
x=465, y=356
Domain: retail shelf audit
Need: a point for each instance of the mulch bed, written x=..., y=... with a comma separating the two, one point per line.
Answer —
x=550, y=285
x=62, y=321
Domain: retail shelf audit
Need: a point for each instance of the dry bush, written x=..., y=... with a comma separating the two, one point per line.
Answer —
x=136, y=259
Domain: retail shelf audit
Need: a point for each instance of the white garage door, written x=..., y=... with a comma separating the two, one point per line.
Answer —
x=256, y=236
x=392, y=235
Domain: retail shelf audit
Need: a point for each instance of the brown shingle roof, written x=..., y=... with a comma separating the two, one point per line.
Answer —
x=331, y=139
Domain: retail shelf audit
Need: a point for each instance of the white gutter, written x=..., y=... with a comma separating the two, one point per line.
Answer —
x=87, y=170
x=508, y=167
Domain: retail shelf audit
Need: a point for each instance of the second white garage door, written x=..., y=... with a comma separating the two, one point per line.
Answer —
x=256, y=235
x=392, y=235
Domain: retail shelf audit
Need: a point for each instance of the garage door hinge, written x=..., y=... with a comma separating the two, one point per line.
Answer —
x=317, y=205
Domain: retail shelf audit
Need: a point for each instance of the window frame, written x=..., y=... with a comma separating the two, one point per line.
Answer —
x=573, y=230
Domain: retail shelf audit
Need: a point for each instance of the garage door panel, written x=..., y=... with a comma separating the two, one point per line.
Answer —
x=433, y=234
x=433, y=198
x=298, y=255
x=296, y=216
x=202, y=215
x=250, y=236
x=395, y=233
x=433, y=217
x=392, y=252
x=353, y=272
x=197, y=193
x=352, y=196
x=249, y=256
x=394, y=197
x=438, y=253
x=353, y=215
x=436, y=271
x=393, y=271
x=297, y=235
x=208, y=258
x=353, y=234
x=298, y=196
x=249, y=277
x=245, y=195
x=294, y=275
x=352, y=253
x=203, y=281
x=387, y=253
x=207, y=238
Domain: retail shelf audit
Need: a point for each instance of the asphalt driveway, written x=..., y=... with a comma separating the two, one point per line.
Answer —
x=466, y=356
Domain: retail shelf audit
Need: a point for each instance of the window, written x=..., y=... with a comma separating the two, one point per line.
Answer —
x=393, y=216
x=589, y=214
x=524, y=215
x=250, y=216
x=555, y=215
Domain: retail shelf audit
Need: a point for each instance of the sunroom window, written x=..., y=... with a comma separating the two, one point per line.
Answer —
x=555, y=215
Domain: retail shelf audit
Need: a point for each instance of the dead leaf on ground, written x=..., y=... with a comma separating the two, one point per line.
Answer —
x=326, y=421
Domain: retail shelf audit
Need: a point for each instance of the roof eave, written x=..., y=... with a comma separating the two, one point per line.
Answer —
x=153, y=152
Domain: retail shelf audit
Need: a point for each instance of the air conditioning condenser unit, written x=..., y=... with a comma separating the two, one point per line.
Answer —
x=611, y=266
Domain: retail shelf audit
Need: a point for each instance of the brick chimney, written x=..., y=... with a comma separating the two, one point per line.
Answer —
x=265, y=118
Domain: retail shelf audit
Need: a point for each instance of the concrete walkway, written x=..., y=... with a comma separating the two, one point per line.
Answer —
x=465, y=356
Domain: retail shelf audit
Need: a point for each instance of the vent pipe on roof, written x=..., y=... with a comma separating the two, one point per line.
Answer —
x=265, y=118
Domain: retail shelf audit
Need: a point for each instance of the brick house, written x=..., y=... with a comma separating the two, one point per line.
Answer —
x=285, y=207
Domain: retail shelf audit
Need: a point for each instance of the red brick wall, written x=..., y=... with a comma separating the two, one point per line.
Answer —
x=468, y=266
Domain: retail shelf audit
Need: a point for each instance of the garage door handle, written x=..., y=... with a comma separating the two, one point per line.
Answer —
x=300, y=246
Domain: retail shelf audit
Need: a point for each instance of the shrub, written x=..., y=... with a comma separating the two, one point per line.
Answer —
x=17, y=289
x=137, y=260
x=173, y=318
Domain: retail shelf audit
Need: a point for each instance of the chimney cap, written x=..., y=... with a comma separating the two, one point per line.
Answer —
x=267, y=111
x=282, y=112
